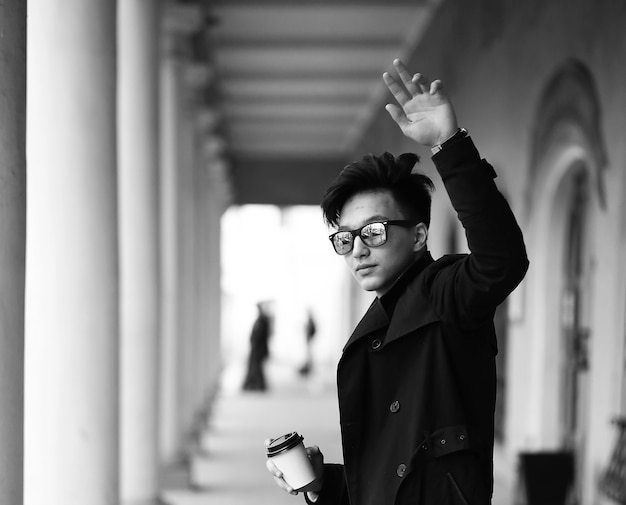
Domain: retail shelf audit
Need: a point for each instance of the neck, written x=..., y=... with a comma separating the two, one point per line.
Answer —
x=419, y=255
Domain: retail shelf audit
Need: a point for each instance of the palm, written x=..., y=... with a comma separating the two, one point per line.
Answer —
x=424, y=112
x=427, y=114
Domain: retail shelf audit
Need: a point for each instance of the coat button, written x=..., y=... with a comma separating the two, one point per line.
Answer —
x=401, y=470
x=442, y=441
x=376, y=344
x=395, y=406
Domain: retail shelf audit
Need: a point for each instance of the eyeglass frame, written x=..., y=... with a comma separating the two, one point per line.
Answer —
x=406, y=223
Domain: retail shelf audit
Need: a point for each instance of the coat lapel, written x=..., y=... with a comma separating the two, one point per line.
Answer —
x=374, y=319
x=412, y=311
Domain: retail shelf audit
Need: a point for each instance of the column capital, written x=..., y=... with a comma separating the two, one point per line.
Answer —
x=183, y=19
x=179, y=22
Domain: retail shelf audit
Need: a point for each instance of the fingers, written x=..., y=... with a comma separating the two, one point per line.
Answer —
x=317, y=460
x=313, y=450
x=278, y=477
x=398, y=115
x=316, y=457
x=272, y=468
x=284, y=486
x=416, y=83
x=421, y=83
x=412, y=86
x=398, y=91
x=435, y=87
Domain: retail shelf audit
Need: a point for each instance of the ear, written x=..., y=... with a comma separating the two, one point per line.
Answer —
x=421, y=237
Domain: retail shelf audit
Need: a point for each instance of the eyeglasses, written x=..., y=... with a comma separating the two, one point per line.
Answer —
x=372, y=235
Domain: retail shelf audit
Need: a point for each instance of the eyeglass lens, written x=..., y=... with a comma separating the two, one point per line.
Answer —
x=372, y=235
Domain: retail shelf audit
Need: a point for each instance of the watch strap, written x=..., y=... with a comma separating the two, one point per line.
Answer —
x=461, y=133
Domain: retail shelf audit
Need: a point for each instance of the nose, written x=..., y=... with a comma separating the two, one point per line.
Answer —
x=359, y=249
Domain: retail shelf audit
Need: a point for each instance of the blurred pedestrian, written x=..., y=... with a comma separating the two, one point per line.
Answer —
x=416, y=380
x=259, y=350
x=309, y=332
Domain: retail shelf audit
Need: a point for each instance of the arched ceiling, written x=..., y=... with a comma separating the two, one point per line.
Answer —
x=297, y=82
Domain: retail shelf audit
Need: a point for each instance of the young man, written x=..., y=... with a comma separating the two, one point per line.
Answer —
x=416, y=381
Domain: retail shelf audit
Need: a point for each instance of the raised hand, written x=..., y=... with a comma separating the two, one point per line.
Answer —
x=424, y=112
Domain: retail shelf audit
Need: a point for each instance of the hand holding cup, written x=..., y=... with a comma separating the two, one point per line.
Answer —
x=293, y=467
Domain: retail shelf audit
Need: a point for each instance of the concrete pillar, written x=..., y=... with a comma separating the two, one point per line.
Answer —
x=204, y=234
x=195, y=266
x=138, y=100
x=187, y=327
x=72, y=342
x=205, y=123
x=168, y=401
x=179, y=21
x=214, y=200
x=219, y=197
x=201, y=289
x=12, y=246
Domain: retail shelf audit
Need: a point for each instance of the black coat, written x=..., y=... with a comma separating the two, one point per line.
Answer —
x=416, y=381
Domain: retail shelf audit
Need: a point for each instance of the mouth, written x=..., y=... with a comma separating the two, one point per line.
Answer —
x=364, y=269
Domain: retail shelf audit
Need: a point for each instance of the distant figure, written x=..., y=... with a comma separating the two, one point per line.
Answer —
x=309, y=330
x=259, y=351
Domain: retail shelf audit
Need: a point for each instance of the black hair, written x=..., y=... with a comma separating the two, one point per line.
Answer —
x=411, y=190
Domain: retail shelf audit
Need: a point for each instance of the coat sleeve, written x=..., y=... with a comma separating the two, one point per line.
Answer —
x=470, y=289
x=334, y=491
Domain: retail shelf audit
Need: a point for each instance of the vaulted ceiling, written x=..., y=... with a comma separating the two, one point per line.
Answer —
x=297, y=82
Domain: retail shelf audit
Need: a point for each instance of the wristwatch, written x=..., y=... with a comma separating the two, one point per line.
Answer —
x=461, y=133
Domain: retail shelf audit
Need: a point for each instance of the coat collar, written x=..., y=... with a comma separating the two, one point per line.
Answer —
x=412, y=310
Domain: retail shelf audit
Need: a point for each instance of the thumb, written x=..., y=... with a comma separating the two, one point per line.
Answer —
x=398, y=115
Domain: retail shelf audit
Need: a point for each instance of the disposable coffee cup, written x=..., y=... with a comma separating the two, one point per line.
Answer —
x=290, y=457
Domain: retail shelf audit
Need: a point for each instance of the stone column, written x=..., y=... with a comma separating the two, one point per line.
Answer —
x=12, y=246
x=138, y=100
x=179, y=21
x=215, y=198
x=206, y=121
x=187, y=327
x=72, y=342
x=194, y=269
x=204, y=235
x=220, y=196
x=168, y=404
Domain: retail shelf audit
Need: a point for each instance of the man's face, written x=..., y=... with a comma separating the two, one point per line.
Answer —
x=377, y=268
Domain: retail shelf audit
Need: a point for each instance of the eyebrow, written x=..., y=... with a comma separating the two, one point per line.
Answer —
x=372, y=219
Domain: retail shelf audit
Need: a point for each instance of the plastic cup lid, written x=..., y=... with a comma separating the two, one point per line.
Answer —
x=283, y=443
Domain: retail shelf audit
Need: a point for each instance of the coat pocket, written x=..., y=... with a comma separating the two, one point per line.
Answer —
x=453, y=479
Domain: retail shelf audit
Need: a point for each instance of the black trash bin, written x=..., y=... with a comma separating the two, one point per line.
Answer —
x=546, y=478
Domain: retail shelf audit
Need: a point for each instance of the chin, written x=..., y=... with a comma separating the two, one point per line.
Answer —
x=369, y=284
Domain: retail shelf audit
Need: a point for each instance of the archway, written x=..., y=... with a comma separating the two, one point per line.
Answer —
x=565, y=193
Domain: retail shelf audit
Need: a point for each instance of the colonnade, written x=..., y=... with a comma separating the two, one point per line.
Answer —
x=109, y=259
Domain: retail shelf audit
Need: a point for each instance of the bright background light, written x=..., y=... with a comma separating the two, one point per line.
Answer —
x=282, y=255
